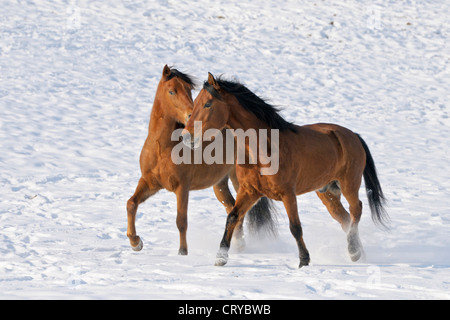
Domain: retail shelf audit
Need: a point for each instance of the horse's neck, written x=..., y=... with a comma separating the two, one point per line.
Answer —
x=245, y=120
x=161, y=125
x=242, y=119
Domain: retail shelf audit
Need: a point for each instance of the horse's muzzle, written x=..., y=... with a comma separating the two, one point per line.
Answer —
x=189, y=141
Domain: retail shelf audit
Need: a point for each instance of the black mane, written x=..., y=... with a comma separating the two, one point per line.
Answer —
x=183, y=76
x=252, y=103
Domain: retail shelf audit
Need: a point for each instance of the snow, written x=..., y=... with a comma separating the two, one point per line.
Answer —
x=77, y=82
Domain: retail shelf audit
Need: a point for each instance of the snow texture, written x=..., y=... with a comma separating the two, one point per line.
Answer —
x=77, y=82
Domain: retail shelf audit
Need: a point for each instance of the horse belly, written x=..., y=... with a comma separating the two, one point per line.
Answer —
x=206, y=176
x=271, y=186
x=314, y=165
x=316, y=174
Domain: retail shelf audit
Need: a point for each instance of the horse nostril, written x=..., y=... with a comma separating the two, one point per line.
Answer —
x=186, y=138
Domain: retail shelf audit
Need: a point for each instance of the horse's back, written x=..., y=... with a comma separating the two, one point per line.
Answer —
x=351, y=151
x=327, y=128
x=346, y=138
x=322, y=152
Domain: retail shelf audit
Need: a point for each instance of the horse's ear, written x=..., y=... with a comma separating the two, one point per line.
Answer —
x=212, y=81
x=166, y=71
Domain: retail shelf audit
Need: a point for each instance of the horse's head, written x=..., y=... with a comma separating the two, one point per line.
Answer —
x=174, y=91
x=210, y=107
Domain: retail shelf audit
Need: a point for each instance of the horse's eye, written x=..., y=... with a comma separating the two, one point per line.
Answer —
x=171, y=92
x=208, y=104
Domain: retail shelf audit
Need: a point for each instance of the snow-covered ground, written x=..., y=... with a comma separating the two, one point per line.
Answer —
x=77, y=82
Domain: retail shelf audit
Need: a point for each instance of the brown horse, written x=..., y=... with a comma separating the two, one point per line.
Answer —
x=172, y=107
x=325, y=158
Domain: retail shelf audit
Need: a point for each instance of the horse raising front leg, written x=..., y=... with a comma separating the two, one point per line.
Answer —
x=142, y=193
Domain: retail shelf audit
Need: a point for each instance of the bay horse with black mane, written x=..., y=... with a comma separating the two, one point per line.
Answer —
x=172, y=107
x=325, y=158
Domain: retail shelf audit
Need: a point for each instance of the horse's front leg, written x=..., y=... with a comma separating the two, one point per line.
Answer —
x=223, y=194
x=290, y=203
x=142, y=193
x=244, y=201
x=182, y=220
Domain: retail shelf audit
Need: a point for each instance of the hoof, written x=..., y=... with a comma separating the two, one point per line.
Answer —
x=303, y=264
x=354, y=249
x=355, y=256
x=139, y=246
x=304, y=260
x=221, y=259
x=182, y=252
x=220, y=262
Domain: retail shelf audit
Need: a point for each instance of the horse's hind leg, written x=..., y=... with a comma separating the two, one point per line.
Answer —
x=332, y=200
x=350, y=191
x=142, y=193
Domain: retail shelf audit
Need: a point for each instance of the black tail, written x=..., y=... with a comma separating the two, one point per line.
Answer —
x=261, y=218
x=373, y=189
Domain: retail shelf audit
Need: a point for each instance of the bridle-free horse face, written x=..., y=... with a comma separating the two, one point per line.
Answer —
x=211, y=108
x=176, y=95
